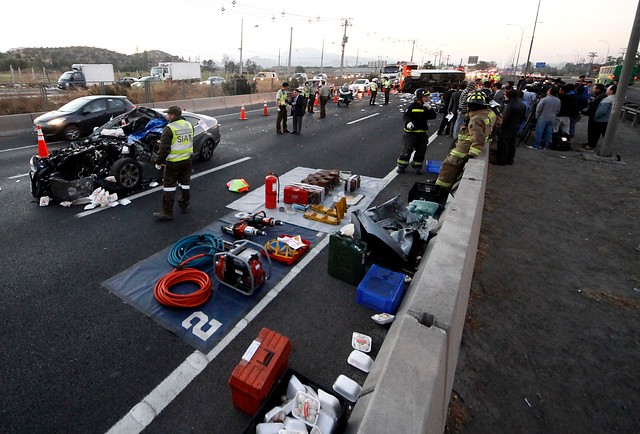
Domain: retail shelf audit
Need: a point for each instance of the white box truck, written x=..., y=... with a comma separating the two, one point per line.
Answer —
x=83, y=75
x=177, y=71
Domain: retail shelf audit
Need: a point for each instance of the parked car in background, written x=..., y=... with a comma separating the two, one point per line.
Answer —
x=126, y=81
x=320, y=76
x=265, y=75
x=214, y=81
x=361, y=85
x=151, y=79
x=79, y=117
x=119, y=156
x=300, y=77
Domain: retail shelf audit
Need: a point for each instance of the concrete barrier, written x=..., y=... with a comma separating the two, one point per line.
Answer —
x=19, y=124
x=409, y=387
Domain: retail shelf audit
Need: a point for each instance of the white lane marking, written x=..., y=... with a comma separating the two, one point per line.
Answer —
x=153, y=190
x=18, y=176
x=143, y=413
x=362, y=119
x=392, y=175
x=17, y=149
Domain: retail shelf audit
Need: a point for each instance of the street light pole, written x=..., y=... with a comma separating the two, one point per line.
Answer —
x=241, y=34
x=290, y=45
x=522, y=30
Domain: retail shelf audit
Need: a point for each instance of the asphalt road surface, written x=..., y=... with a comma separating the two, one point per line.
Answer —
x=76, y=358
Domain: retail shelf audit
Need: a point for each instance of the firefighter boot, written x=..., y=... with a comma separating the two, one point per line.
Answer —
x=399, y=169
x=166, y=213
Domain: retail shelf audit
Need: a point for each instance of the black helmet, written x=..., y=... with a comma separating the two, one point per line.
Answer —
x=419, y=93
x=477, y=98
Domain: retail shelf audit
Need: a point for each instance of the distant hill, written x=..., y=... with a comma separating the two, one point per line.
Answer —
x=61, y=58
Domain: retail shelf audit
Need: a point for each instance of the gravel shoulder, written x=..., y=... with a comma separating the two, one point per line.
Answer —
x=552, y=336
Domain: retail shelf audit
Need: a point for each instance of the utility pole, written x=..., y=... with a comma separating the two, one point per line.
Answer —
x=412, y=48
x=592, y=55
x=625, y=77
x=535, y=24
x=345, y=38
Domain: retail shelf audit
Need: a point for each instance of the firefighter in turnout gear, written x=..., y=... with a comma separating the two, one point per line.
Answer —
x=474, y=134
x=415, y=131
x=176, y=149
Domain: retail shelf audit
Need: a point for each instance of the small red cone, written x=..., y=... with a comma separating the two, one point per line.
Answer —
x=369, y=92
x=265, y=112
x=43, y=152
x=335, y=96
x=316, y=102
x=243, y=115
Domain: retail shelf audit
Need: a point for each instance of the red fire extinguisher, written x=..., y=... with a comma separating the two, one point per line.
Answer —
x=271, y=190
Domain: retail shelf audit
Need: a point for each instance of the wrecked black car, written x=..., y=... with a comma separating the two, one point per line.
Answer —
x=119, y=156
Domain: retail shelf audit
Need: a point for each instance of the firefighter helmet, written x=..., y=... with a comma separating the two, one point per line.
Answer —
x=419, y=93
x=477, y=98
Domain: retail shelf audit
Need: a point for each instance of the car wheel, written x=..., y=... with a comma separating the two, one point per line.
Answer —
x=206, y=152
x=128, y=173
x=72, y=132
x=339, y=103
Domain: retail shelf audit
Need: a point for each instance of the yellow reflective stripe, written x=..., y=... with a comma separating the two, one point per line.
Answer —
x=475, y=151
x=414, y=131
x=457, y=154
x=402, y=161
x=464, y=137
x=417, y=110
x=443, y=184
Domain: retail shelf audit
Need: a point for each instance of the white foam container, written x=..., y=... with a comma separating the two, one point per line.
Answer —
x=360, y=360
x=293, y=424
x=329, y=403
x=361, y=342
x=294, y=387
x=300, y=398
x=347, y=388
x=269, y=428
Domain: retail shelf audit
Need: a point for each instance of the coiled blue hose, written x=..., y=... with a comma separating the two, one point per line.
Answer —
x=192, y=245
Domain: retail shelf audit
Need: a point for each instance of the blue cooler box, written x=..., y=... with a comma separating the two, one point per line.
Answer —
x=381, y=289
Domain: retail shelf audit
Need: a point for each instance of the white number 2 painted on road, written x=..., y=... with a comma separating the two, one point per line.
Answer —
x=201, y=320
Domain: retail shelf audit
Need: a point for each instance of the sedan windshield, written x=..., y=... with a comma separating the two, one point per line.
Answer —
x=73, y=106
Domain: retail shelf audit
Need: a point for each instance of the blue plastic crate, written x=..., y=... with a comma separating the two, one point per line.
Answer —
x=381, y=289
x=433, y=166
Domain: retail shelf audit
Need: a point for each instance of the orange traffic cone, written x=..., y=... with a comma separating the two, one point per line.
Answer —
x=43, y=152
x=243, y=115
x=265, y=112
x=316, y=102
x=369, y=92
x=335, y=96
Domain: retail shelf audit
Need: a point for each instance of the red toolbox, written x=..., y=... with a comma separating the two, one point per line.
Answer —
x=293, y=194
x=264, y=363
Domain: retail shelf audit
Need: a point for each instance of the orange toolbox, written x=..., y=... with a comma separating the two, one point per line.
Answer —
x=264, y=363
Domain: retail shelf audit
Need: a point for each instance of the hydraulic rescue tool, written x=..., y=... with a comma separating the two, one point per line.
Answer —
x=241, y=267
x=251, y=225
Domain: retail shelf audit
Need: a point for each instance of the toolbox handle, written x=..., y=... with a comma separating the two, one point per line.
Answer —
x=267, y=358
